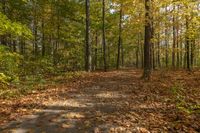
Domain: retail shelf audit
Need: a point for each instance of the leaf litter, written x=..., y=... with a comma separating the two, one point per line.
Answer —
x=112, y=102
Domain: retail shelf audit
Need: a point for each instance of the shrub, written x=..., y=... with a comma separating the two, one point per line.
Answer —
x=9, y=65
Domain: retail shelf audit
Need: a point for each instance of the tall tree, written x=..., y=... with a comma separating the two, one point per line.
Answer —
x=88, y=58
x=174, y=38
x=187, y=45
x=104, y=36
x=120, y=37
x=166, y=41
x=147, y=41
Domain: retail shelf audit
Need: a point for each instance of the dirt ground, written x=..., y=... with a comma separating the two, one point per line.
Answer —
x=112, y=102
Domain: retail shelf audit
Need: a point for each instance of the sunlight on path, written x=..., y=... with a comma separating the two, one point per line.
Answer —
x=112, y=104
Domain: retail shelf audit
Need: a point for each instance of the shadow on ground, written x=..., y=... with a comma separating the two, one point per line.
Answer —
x=115, y=102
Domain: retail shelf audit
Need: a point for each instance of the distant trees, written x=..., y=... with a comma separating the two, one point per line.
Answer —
x=72, y=35
x=180, y=16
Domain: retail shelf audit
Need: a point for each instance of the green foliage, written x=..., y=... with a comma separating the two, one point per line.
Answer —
x=9, y=64
x=4, y=79
x=181, y=101
x=37, y=67
x=14, y=28
x=70, y=60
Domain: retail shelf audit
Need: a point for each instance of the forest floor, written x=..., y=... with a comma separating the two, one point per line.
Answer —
x=116, y=101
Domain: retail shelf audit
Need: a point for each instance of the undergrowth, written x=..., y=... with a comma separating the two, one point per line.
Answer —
x=183, y=102
x=31, y=84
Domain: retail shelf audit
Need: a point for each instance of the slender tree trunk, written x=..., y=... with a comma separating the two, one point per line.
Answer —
x=88, y=59
x=4, y=6
x=122, y=55
x=120, y=38
x=22, y=46
x=166, y=43
x=43, y=38
x=192, y=53
x=178, y=51
x=181, y=52
x=57, y=41
x=142, y=52
x=142, y=57
x=137, y=57
x=177, y=42
x=96, y=51
x=108, y=56
x=174, y=43
x=166, y=52
x=153, y=61
x=187, y=46
x=137, y=52
x=158, y=52
x=4, y=37
x=35, y=46
x=104, y=36
x=14, y=46
x=147, y=41
x=152, y=47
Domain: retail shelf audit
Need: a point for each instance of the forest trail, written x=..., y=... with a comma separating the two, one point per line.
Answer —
x=103, y=102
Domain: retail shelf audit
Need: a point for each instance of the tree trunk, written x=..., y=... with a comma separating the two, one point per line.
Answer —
x=166, y=43
x=174, y=43
x=35, y=46
x=122, y=55
x=137, y=52
x=142, y=52
x=14, y=46
x=158, y=52
x=177, y=42
x=96, y=51
x=120, y=38
x=43, y=38
x=3, y=37
x=178, y=51
x=187, y=46
x=153, y=61
x=147, y=42
x=103, y=35
x=88, y=59
x=192, y=53
x=181, y=52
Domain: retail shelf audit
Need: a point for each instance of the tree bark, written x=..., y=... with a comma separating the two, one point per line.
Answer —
x=177, y=43
x=104, y=36
x=120, y=38
x=174, y=42
x=96, y=52
x=166, y=43
x=158, y=52
x=88, y=59
x=3, y=38
x=43, y=38
x=35, y=45
x=187, y=46
x=192, y=53
x=137, y=52
x=147, y=42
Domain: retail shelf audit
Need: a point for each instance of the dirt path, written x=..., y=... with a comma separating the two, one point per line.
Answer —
x=112, y=102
